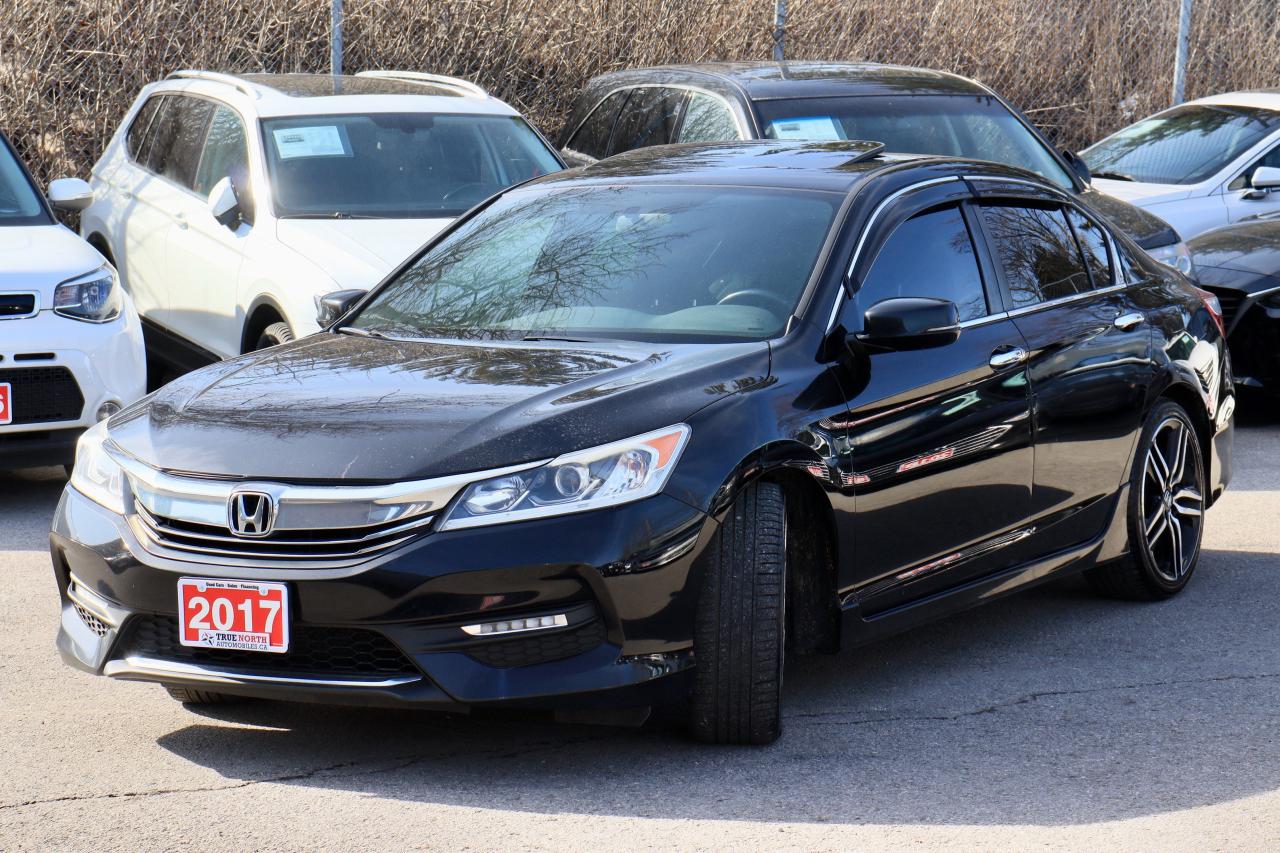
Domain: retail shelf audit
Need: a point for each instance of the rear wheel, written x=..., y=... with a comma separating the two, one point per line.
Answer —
x=740, y=635
x=1165, y=512
x=276, y=333
x=192, y=696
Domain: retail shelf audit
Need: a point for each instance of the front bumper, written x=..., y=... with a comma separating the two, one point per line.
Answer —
x=107, y=363
x=625, y=577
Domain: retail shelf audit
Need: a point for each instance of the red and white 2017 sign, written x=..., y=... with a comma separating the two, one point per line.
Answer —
x=6, y=403
x=251, y=616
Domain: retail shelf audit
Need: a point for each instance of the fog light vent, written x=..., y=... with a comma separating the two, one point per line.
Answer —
x=515, y=626
x=108, y=409
x=95, y=624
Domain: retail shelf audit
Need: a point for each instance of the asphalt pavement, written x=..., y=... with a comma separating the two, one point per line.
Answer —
x=1049, y=720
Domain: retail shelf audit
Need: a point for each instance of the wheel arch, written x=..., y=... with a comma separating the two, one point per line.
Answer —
x=99, y=243
x=1194, y=403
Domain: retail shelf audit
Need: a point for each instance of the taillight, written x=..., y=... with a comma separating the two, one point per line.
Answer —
x=1215, y=308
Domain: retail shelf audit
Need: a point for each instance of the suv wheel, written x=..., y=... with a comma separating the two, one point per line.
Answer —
x=276, y=333
x=740, y=636
x=1165, y=512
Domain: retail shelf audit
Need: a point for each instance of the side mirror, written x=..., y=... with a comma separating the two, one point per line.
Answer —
x=332, y=306
x=1078, y=165
x=911, y=323
x=1263, y=179
x=70, y=194
x=223, y=204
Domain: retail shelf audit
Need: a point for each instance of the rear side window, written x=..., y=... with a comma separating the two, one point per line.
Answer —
x=1093, y=243
x=707, y=119
x=135, y=139
x=592, y=138
x=174, y=145
x=1037, y=252
x=649, y=118
x=930, y=254
x=226, y=154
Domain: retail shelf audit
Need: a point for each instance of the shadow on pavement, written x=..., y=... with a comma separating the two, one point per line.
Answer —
x=1051, y=707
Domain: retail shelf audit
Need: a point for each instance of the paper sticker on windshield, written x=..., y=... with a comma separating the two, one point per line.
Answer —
x=815, y=127
x=321, y=141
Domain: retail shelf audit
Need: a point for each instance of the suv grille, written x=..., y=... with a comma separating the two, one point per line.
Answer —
x=15, y=305
x=312, y=651
x=351, y=544
x=43, y=394
x=540, y=648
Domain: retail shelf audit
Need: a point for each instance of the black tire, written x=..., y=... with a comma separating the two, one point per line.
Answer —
x=193, y=696
x=276, y=333
x=740, y=635
x=1159, y=563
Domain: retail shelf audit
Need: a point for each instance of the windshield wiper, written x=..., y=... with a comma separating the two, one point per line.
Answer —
x=356, y=330
x=561, y=338
x=333, y=214
x=1114, y=176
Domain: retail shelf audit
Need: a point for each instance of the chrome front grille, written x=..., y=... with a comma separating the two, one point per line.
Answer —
x=187, y=540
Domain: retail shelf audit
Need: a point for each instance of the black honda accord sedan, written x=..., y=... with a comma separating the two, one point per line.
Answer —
x=624, y=436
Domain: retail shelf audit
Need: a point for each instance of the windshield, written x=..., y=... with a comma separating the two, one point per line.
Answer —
x=621, y=262
x=19, y=203
x=953, y=125
x=406, y=165
x=1184, y=145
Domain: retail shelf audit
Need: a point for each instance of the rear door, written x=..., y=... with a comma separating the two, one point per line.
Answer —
x=649, y=118
x=1090, y=361
x=590, y=141
x=139, y=220
x=937, y=441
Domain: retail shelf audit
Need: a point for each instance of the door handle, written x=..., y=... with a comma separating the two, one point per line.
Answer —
x=181, y=220
x=1125, y=322
x=126, y=193
x=1002, y=358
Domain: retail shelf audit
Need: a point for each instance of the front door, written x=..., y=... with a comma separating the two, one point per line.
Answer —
x=938, y=447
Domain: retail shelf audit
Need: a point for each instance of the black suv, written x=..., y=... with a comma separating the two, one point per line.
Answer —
x=622, y=435
x=909, y=110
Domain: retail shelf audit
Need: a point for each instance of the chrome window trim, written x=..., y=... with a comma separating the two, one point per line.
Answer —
x=143, y=666
x=35, y=294
x=743, y=132
x=866, y=229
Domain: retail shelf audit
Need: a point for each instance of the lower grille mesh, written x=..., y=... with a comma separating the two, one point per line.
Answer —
x=312, y=651
x=534, y=649
x=95, y=624
x=43, y=394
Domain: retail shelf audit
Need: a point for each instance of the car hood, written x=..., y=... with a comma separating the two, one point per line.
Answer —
x=337, y=407
x=39, y=257
x=358, y=253
x=1143, y=227
x=1136, y=192
x=1252, y=247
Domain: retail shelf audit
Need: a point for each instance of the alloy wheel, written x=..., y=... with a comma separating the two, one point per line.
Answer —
x=1172, y=500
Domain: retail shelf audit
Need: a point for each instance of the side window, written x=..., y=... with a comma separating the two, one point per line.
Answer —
x=135, y=138
x=1093, y=242
x=173, y=147
x=226, y=154
x=1271, y=158
x=1038, y=253
x=649, y=118
x=930, y=254
x=592, y=138
x=707, y=119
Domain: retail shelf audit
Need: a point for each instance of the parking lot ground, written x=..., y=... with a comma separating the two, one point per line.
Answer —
x=1049, y=720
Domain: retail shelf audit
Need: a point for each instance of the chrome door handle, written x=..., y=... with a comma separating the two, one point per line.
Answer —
x=181, y=220
x=1007, y=358
x=1125, y=322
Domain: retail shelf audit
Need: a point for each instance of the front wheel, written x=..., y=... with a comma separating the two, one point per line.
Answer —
x=740, y=634
x=276, y=333
x=1165, y=512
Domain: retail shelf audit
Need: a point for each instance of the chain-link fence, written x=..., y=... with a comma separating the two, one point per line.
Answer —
x=1080, y=68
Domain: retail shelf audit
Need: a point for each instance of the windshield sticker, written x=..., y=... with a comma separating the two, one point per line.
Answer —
x=323, y=141
x=814, y=127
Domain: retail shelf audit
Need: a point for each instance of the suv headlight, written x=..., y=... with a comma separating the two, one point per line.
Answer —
x=611, y=474
x=94, y=298
x=96, y=475
x=1176, y=255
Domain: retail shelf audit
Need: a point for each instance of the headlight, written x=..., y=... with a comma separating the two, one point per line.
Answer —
x=603, y=476
x=1176, y=255
x=94, y=298
x=97, y=476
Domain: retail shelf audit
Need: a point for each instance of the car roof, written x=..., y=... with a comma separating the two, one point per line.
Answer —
x=811, y=78
x=826, y=166
x=1268, y=99
x=275, y=95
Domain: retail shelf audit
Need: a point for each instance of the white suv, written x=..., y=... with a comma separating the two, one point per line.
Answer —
x=231, y=203
x=70, y=342
x=1199, y=165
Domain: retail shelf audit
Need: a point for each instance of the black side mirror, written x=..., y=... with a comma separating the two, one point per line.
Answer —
x=1078, y=165
x=332, y=306
x=910, y=323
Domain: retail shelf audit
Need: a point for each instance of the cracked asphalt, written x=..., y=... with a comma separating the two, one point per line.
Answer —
x=1049, y=720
